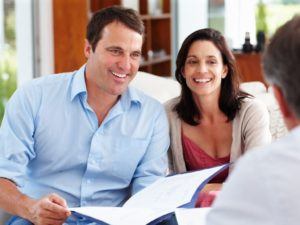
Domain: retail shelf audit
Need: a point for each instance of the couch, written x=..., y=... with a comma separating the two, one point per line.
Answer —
x=164, y=89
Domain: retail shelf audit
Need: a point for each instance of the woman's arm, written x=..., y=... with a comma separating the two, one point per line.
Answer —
x=256, y=125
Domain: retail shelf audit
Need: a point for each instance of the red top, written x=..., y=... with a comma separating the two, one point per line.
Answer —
x=196, y=159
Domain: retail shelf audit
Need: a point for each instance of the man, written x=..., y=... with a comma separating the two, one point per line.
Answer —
x=83, y=138
x=264, y=187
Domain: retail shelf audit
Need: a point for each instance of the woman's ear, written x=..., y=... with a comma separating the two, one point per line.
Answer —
x=182, y=72
x=225, y=71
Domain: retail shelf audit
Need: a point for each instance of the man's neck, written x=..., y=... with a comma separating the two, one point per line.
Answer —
x=101, y=104
x=100, y=101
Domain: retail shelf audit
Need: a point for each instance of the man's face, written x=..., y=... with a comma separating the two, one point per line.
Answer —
x=115, y=61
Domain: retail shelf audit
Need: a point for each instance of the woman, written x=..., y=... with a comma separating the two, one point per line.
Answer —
x=213, y=122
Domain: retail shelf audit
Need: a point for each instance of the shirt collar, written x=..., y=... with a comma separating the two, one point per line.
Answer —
x=78, y=84
x=130, y=96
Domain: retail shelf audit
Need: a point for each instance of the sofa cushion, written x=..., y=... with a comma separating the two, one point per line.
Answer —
x=160, y=88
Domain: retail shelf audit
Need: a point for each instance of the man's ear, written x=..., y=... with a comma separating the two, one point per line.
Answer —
x=87, y=48
x=289, y=117
x=284, y=108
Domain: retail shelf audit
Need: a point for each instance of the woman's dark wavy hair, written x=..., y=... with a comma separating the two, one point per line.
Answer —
x=231, y=96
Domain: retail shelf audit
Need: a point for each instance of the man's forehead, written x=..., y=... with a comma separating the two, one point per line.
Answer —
x=119, y=28
x=120, y=36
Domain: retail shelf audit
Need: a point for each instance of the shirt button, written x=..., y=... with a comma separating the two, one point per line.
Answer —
x=88, y=181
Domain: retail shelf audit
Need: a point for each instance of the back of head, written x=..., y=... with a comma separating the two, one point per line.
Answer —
x=129, y=17
x=281, y=62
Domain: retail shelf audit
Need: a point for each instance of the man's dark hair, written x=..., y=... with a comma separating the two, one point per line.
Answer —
x=281, y=62
x=230, y=97
x=129, y=17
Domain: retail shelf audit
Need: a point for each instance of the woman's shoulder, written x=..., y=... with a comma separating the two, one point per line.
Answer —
x=253, y=105
x=169, y=105
x=252, y=108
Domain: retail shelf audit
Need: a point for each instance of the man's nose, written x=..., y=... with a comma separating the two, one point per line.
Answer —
x=125, y=63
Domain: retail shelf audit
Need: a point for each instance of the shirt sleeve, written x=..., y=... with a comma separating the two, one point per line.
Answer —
x=154, y=163
x=17, y=135
x=256, y=126
x=245, y=197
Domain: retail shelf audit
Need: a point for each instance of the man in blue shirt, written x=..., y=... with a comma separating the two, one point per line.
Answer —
x=83, y=138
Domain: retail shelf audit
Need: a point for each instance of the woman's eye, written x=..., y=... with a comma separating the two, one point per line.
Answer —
x=191, y=62
x=212, y=62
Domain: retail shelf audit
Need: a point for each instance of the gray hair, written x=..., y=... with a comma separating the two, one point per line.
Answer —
x=281, y=62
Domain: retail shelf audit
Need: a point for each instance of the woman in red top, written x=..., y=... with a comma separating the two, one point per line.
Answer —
x=212, y=122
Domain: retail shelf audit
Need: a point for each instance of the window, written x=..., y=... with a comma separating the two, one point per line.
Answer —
x=271, y=14
x=8, y=66
x=216, y=14
x=17, y=45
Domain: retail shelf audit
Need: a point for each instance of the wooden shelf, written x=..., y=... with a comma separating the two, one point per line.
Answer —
x=156, y=60
x=156, y=17
x=249, y=67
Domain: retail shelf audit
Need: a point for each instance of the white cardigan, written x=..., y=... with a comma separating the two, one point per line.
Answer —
x=250, y=128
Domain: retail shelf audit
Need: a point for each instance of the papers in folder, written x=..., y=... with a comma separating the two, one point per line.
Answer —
x=158, y=200
x=194, y=216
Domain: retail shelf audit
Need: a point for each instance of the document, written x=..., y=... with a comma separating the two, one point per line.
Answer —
x=196, y=216
x=155, y=203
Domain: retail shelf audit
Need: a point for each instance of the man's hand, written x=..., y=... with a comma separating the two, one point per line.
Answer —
x=50, y=210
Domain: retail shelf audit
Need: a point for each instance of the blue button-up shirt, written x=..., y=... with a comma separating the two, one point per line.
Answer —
x=50, y=141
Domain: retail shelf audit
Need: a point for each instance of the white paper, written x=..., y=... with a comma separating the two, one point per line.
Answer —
x=195, y=216
x=160, y=198
x=170, y=192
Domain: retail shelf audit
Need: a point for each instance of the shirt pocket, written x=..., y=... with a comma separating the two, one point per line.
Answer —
x=123, y=155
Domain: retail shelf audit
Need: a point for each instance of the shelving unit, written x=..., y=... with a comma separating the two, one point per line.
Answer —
x=249, y=66
x=157, y=45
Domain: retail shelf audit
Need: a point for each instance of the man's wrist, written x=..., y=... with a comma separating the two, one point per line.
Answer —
x=26, y=209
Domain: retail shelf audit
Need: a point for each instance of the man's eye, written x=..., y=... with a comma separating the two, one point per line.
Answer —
x=136, y=55
x=115, y=51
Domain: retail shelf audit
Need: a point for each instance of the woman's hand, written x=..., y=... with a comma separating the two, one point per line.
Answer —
x=208, y=194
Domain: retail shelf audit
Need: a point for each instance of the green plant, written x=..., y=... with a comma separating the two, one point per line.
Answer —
x=261, y=18
x=8, y=82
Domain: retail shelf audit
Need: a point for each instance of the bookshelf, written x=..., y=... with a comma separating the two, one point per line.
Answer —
x=249, y=67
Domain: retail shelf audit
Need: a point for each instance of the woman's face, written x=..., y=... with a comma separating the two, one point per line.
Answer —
x=204, y=69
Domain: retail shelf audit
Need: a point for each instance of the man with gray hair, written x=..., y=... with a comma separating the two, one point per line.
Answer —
x=264, y=188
